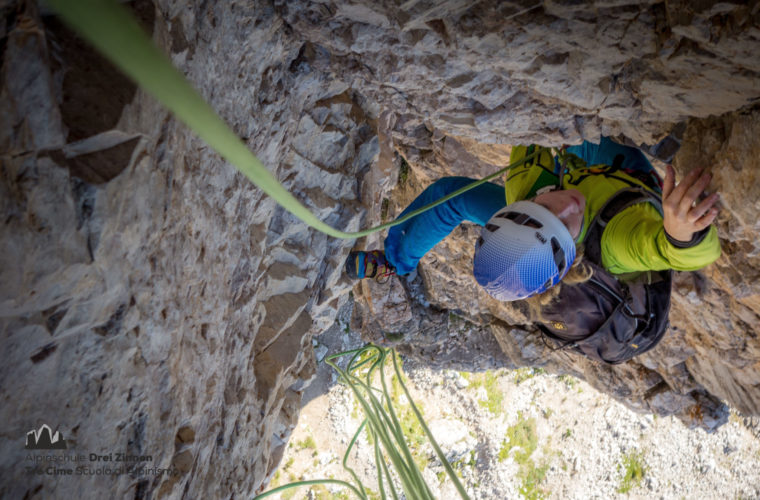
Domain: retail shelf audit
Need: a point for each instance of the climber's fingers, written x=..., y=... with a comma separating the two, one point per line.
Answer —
x=675, y=198
x=706, y=219
x=693, y=192
x=684, y=212
x=669, y=183
x=704, y=208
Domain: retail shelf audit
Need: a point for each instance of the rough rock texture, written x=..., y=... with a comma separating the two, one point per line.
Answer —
x=545, y=71
x=153, y=302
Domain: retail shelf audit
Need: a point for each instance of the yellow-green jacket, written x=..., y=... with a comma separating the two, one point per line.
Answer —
x=634, y=240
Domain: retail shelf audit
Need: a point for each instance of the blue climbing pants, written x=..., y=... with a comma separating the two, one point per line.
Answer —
x=407, y=243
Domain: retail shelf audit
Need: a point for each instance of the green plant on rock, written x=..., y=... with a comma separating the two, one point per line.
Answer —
x=289, y=494
x=569, y=380
x=531, y=478
x=307, y=443
x=413, y=431
x=403, y=172
x=494, y=396
x=520, y=443
x=468, y=460
x=522, y=437
x=527, y=373
x=488, y=380
x=320, y=492
x=385, y=206
x=276, y=478
x=633, y=469
x=394, y=460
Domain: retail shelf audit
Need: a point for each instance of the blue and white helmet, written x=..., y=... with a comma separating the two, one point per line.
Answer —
x=523, y=250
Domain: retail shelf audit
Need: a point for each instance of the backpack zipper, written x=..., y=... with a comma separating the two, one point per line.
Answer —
x=611, y=295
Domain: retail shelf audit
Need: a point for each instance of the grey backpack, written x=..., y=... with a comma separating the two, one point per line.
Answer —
x=607, y=318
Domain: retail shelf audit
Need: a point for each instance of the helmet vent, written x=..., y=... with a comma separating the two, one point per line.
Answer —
x=559, y=255
x=522, y=219
x=492, y=227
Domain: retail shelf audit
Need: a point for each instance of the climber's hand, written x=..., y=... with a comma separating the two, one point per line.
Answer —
x=684, y=213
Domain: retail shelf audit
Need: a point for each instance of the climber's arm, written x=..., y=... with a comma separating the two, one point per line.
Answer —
x=635, y=240
x=408, y=242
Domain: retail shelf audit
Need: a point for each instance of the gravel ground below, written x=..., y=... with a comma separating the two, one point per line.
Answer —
x=523, y=434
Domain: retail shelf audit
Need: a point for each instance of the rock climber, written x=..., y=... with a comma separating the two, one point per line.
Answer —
x=528, y=241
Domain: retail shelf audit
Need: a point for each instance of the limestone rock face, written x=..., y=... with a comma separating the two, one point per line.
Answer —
x=546, y=72
x=154, y=302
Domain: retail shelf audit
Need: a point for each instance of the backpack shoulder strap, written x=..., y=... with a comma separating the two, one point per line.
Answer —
x=618, y=202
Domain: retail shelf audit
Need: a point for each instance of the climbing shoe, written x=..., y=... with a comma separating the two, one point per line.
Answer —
x=371, y=264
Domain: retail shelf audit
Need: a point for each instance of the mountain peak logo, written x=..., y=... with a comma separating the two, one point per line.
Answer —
x=44, y=439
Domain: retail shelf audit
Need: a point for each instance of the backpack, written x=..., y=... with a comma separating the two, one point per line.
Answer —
x=606, y=318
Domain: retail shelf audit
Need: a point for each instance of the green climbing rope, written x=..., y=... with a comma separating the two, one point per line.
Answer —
x=114, y=31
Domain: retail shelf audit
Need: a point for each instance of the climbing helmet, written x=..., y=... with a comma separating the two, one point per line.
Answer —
x=523, y=250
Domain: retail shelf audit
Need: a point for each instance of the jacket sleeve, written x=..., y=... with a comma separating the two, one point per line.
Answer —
x=635, y=240
x=409, y=241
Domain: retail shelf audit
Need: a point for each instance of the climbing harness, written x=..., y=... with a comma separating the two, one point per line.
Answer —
x=114, y=32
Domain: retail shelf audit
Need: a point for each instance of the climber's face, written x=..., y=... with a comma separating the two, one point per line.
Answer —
x=568, y=205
